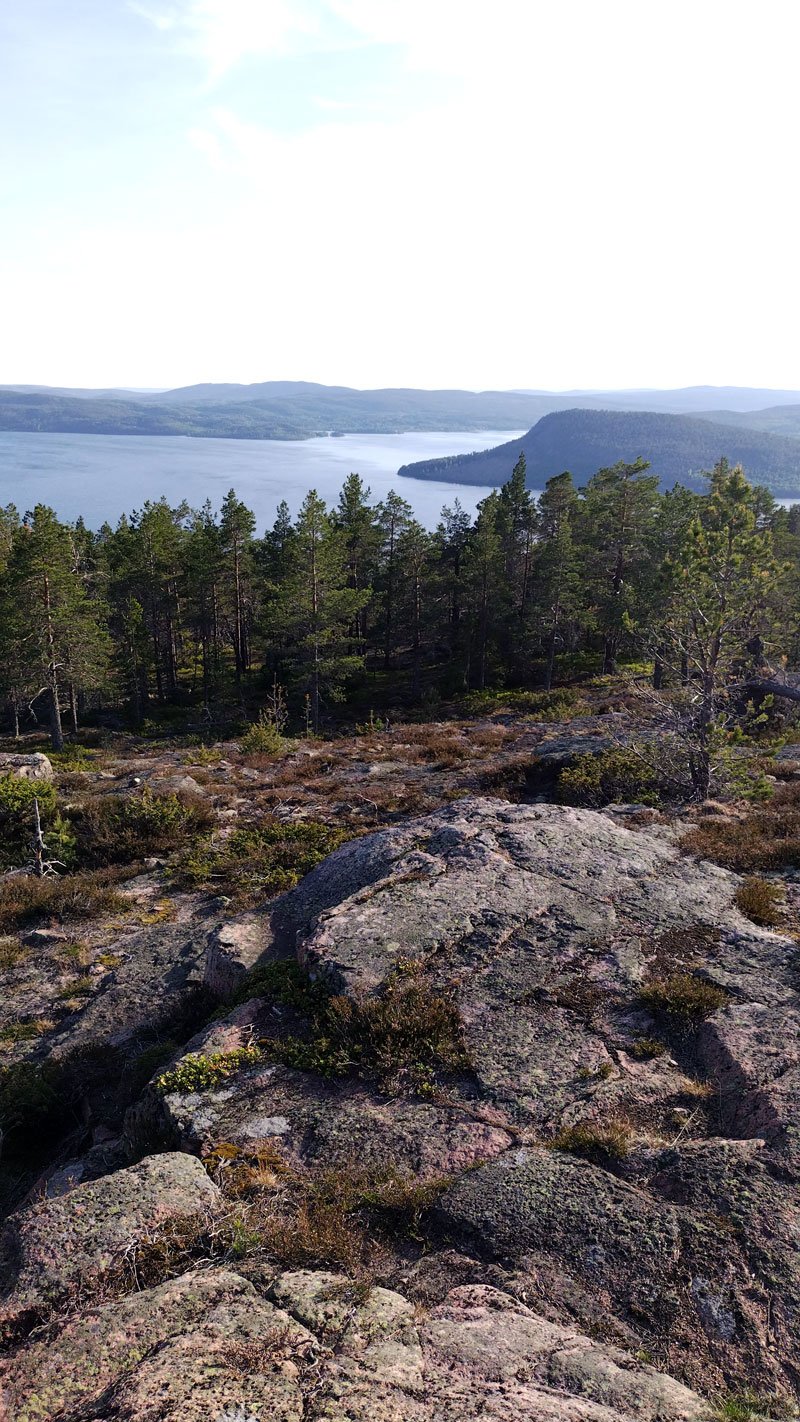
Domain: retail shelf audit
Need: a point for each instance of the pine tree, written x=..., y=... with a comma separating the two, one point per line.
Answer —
x=394, y=514
x=557, y=566
x=236, y=529
x=55, y=636
x=415, y=562
x=485, y=575
x=356, y=518
x=315, y=608
x=725, y=599
x=617, y=514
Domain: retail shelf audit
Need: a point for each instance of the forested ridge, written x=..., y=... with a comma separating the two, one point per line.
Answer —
x=359, y=604
x=679, y=447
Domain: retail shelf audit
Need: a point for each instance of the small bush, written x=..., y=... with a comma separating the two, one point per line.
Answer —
x=760, y=901
x=121, y=829
x=262, y=738
x=25, y=900
x=17, y=822
x=610, y=776
x=684, y=997
x=599, y=1141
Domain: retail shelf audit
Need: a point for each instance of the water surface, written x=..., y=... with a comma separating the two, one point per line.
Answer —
x=103, y=476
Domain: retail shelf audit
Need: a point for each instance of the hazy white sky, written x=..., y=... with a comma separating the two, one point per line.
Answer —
x=477, y=193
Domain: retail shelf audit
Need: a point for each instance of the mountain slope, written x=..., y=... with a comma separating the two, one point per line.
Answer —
x=286, y=409
x=678, y=447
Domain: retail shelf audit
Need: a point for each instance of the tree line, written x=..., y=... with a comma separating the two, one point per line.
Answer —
x=176, y=603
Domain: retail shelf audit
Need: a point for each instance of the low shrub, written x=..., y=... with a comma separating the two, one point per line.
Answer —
x=258, y=862
x=768, y=837
x=684, y=997
x=121, y=829
x=399, y=1037
x=26, y=900
x=760, y=901
x=600, y=1141
x=17, y=797
x=610, y=776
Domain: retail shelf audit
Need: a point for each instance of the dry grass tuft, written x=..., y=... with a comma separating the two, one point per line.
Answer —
x=599, y=1141
x=683, y=997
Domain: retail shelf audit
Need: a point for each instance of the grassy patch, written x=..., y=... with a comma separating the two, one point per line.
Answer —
x=646, y=1048
x=683, y=997
x=27, y=1031
x=563, y=703
x=25, y=900
x=599, y=1141
x=760, y=901
x=260, y=862
x=751, y=1406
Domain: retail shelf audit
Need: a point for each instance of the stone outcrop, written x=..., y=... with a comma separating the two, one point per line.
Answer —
x=34, y=766
x=618, y=1179
x=207, y=1344
x=68, y=1244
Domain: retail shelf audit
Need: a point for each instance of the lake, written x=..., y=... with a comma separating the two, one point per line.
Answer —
x=103, y=476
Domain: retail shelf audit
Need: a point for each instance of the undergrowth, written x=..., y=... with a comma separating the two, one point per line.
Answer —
x=258, y=862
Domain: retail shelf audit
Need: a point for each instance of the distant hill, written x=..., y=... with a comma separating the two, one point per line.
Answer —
x=777, y=419
x=678, y=447
x=296, y=409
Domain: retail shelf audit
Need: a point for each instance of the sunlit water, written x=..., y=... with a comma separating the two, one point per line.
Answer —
x=103, y=476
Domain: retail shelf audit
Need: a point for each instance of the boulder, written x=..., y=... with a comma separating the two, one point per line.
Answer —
x=194, y=1348
x=35, y=766
x=68, y=1244
x=207, y=1345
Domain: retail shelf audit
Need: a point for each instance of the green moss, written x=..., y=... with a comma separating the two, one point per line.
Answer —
x=198, y=1072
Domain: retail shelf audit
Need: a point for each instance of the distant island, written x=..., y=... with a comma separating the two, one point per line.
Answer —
x=679, y=448
x=293, y=410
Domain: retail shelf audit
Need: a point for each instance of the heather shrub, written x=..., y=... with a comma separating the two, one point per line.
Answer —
x=608, y=777
x=120, y=829
x=26, y=900
x=258, y=862
x=768, y=837
x=684, y=997
x=760, y=901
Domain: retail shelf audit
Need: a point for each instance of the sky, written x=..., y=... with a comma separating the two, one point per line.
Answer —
x=550, y=194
